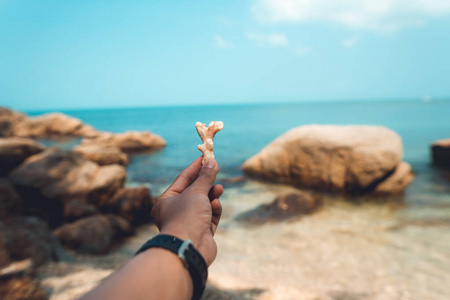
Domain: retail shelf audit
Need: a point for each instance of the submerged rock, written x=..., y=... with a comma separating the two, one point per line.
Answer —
x=48, y=179
x=282, y=208
x=103, y=155
x=95, y=235
x=29, y=237
x=353, y=159
x=130, y=141
x=14, y=151
x=441, y=153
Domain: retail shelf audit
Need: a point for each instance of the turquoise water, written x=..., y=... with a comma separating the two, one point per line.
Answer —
x=248, y=128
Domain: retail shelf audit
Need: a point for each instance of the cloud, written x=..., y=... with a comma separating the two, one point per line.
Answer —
x=273, y=39
x=220, y=42
x=377, y=15
x=350, y=42
x=302, y=50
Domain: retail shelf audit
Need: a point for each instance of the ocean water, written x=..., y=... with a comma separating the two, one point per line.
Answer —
x=365, y=248
x=248, y=128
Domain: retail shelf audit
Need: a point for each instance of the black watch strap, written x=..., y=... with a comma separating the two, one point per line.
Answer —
x=191, y=258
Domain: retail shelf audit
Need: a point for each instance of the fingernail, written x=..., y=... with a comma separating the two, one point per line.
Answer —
x=209, y=164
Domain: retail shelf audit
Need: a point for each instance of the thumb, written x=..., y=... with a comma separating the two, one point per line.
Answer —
x=206, y=177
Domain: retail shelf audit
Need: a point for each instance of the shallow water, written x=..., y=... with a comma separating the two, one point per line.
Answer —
x=353, y=248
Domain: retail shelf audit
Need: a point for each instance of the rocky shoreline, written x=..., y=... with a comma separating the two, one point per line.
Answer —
x=59, y=203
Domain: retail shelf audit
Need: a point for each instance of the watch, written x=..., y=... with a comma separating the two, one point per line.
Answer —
x=191, y=258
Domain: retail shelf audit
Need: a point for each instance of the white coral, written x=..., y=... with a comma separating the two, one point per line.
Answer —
x=207, y=135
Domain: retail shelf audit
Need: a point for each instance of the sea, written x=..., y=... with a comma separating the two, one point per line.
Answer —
x=372, y=248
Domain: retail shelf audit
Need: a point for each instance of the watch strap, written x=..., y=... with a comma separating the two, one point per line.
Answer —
x=191, y=258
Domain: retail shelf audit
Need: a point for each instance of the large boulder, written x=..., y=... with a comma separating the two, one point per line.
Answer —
x=29, y=237
x=353, y=159
x=14, y=124
x=10, y=201
x=132, y=204
x=48, y=179
x=130, y=141
x=14, y=151
x=103, y=155
x=95, y=235
x=440, y=151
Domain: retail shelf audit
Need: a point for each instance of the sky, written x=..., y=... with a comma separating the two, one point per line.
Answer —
x=98, y=54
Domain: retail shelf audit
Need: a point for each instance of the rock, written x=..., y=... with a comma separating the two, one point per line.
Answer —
x=396, y=182
x=5, y=259
x=17, y=268
x=29, y=237
x=9, y=121
x=21, y=288
x=48, y=179
x=351, y=159
x=76, y=209
x=14, y=124
x=130, y=141
x=103, y=155
x=14, y=151
x=132, y=204
x=95, y=235
x=282, y=208
x=10, y=201
x=441, y=153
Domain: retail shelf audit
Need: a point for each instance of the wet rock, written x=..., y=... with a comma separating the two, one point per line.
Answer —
x=132, y=204
x=29, y=237
x=47, y=179
x=440, y=151
x=130, y=141
x=95, y=235
x=397, y=181
x=77, y=209
x=14, y=151
x=282, y=208
x=103, y=155
x=14, y=124
x=21, y=288
x=10, y=201
x=352, y=159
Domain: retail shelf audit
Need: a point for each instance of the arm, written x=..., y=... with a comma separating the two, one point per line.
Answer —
x=188, y=209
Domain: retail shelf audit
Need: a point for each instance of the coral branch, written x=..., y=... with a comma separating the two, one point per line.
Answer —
x=207, y=135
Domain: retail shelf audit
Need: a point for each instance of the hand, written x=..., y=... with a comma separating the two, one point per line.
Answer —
x=190, y=207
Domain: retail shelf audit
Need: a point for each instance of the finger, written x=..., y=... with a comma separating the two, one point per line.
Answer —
x=215, y=192
x=185, y=179
x=206, y=177
x=216, y=208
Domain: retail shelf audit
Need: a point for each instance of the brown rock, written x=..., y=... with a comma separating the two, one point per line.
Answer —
x=10, y=201
x=76, y=209
x=130, y=141
x=331, y=158
x=441, y=153
x=14, y=151
x=29, y=237
x=21, y=288
x=283, y=207
x=14, y=124
x=396, y=182
x=96, y=234
x=103, y=155
x=5, y=259
x=132, y=204
x=47, y=179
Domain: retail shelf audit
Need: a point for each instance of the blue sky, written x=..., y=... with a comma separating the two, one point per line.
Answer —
x=90, y=54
